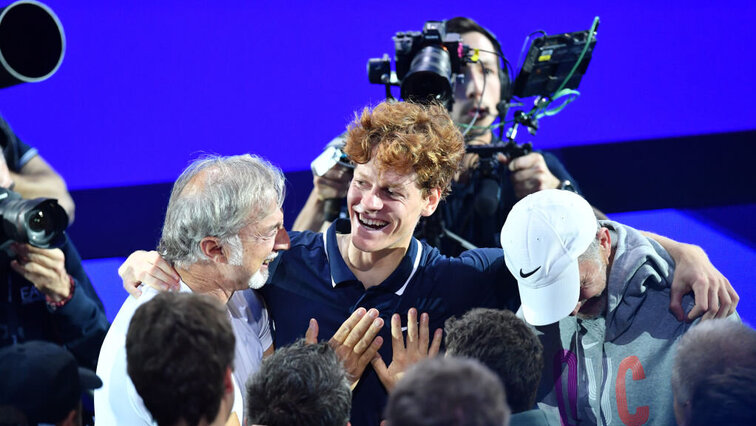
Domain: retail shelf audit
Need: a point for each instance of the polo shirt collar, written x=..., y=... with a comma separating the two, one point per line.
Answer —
x=340, y=272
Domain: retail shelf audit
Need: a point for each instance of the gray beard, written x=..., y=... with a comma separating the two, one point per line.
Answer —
x=258, y=280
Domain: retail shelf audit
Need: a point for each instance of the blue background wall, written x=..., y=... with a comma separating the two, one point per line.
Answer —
x=145, y=87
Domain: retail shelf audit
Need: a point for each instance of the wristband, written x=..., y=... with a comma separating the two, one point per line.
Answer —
x=59, y=304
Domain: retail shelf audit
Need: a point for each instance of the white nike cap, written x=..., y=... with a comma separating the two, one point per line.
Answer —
x=543, y=237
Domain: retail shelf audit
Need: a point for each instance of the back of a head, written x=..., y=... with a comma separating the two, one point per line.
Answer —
x=302, y=385
x=462, y=25
x=215, y=196
x=408, y=137
x=41, y=382
x=448, y=391
x=503, y=343
x=710, y=348
x=727, y=398
x=179, y=347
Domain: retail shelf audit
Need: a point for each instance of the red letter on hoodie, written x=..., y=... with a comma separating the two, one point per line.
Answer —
x=641, y=414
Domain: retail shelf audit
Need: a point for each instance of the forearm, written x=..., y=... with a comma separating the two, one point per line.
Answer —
x=671, y=246
x=311, y=217
x=45, y=185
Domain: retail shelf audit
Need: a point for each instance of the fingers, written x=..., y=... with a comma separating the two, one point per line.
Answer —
x=733, y=297
x=381, y=370
x=435, y=346
x=367, y=339
x=150, y=269
x=725, y=301
x=424, y=332
x=365, y=325
x=713, y=305
x=343, y=331
x=371, y=352
x=412, y=332
x=397, y=339
x=675, y=303
x=701, y=306
x=311, y=335
x=525, y=162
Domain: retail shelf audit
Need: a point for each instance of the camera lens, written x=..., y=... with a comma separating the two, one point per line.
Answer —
x=429, y=77
x=38, y=221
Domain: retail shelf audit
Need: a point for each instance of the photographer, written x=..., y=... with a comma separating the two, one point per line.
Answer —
x=516, y=178
x=46, y=295
x=32, y=175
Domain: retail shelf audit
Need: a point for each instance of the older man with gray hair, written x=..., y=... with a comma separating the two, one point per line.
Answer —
x=223, y=225
x=598, y=292
x=713, y=352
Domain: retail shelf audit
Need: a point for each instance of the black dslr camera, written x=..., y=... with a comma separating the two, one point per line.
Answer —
x=39, y=222
x=427, y=64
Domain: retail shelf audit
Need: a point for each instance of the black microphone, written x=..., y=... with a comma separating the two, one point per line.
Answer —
x=487, y=200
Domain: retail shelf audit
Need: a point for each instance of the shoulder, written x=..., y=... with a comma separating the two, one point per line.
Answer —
x=481, y=260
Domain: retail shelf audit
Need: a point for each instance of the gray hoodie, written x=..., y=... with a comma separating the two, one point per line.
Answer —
x=615, y=369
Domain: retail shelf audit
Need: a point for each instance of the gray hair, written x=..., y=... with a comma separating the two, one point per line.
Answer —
x=592, y=252
x=710, y=348
x=217, y=196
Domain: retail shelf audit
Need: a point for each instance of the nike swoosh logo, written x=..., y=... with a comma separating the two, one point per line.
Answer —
x=404, y=328
x=525, y=275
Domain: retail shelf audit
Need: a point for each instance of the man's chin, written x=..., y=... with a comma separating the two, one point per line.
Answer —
x=258, y=280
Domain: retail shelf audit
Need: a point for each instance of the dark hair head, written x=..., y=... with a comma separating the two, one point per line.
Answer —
x=300, y=384
x=503, y=343
x=727, y=398
x=448, y=391
x=178, y=349
x=462, y=25
x=407, y=137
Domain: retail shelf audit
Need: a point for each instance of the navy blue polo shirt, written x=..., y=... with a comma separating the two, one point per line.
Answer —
x=311, y=280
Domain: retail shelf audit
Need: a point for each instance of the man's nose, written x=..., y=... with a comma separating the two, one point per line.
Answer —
x=282, y=240
x=474, y=84
x=371, y=200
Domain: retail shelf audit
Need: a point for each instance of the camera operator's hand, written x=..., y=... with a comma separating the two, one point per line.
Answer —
x=332, y=185
x=45, y=268
x=529, y=174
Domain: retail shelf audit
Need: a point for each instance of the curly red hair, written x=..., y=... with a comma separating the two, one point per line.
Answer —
x=407, y=137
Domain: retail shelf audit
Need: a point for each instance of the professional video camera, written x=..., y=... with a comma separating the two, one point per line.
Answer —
x=427, y=63
x=39, y=222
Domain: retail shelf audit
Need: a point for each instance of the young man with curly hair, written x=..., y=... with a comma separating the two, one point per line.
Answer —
x=406, y=156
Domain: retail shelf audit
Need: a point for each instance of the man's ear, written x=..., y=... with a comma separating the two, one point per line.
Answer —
x=212, y=248
x=431, y=200
x=605, y=243
x=72, y=419
x=228, y=383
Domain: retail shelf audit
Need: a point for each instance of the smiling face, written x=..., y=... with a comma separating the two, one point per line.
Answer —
x=385, y=206
x=472, y=96
x=261, y=242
